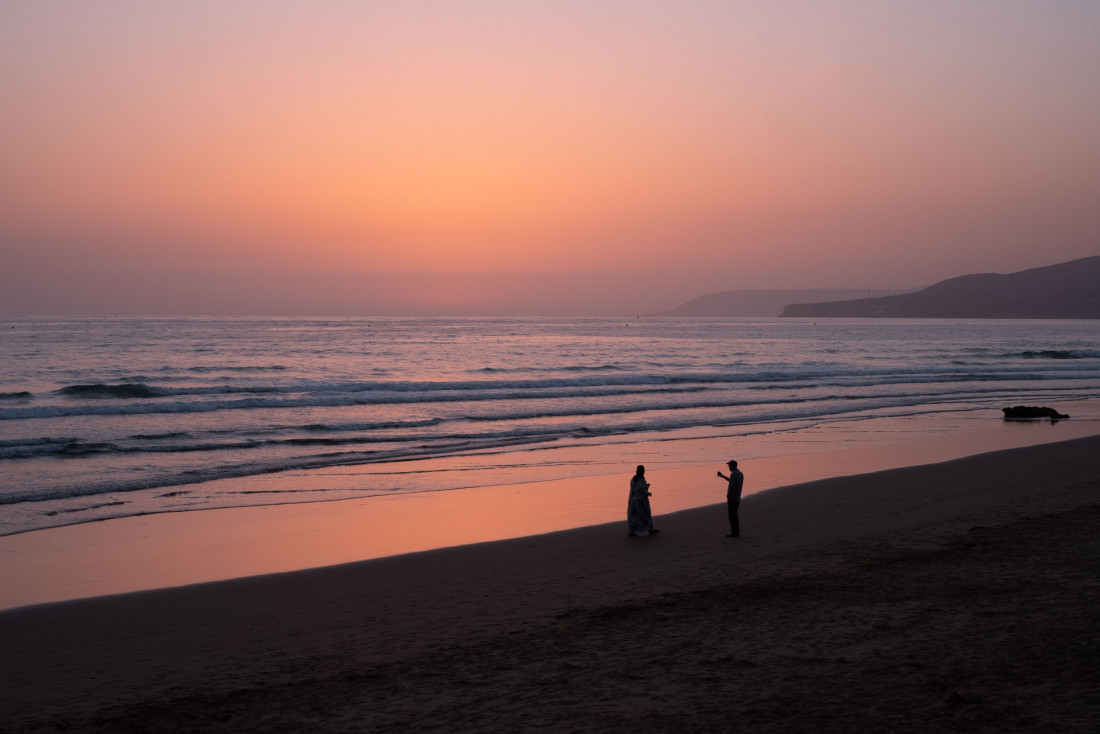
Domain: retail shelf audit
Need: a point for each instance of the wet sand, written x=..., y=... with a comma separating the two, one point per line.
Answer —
x=175, y=549
x=953, y=596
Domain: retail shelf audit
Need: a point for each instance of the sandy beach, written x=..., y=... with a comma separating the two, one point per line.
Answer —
x=958, y=596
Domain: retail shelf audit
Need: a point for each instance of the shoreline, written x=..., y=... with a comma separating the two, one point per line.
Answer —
x=869, y=582
x=163, y=550
x=541, y=462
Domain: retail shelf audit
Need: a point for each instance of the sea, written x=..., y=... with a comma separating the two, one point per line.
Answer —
x=111, y=417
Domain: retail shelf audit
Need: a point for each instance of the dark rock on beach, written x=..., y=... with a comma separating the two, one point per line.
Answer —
x=1030, y=412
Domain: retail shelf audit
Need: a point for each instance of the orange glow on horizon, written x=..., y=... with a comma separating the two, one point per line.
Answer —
x=551, y=138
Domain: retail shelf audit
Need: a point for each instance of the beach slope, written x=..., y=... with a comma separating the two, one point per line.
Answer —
x=955, y=596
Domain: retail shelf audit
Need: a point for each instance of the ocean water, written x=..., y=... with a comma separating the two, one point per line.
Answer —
x=108, y=417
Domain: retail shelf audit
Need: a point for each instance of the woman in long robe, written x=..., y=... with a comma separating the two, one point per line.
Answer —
x=639, y=517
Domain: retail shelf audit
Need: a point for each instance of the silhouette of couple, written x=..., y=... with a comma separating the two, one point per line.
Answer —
x=639, y=516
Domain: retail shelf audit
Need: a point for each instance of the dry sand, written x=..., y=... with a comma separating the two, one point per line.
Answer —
x=962, y=596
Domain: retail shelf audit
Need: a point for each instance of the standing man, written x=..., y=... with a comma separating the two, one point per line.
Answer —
x=733, y=497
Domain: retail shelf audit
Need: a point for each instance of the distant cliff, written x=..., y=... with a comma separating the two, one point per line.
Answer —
x=1066, y=291
x=759, y=302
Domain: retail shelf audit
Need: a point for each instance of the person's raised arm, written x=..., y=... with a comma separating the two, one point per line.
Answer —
x=723, y=476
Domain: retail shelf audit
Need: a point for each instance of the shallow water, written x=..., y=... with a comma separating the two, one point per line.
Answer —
x=110, y=417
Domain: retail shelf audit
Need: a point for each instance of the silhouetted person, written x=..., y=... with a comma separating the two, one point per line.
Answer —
x=639, y=518
x=733, y=497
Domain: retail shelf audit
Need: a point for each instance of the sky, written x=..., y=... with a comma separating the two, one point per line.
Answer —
x=512, y=157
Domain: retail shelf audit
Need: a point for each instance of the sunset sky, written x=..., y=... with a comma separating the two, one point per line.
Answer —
x=511, y=157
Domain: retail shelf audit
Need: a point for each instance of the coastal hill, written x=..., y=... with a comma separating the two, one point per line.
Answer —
x=761, y=302
x=1068, y=290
